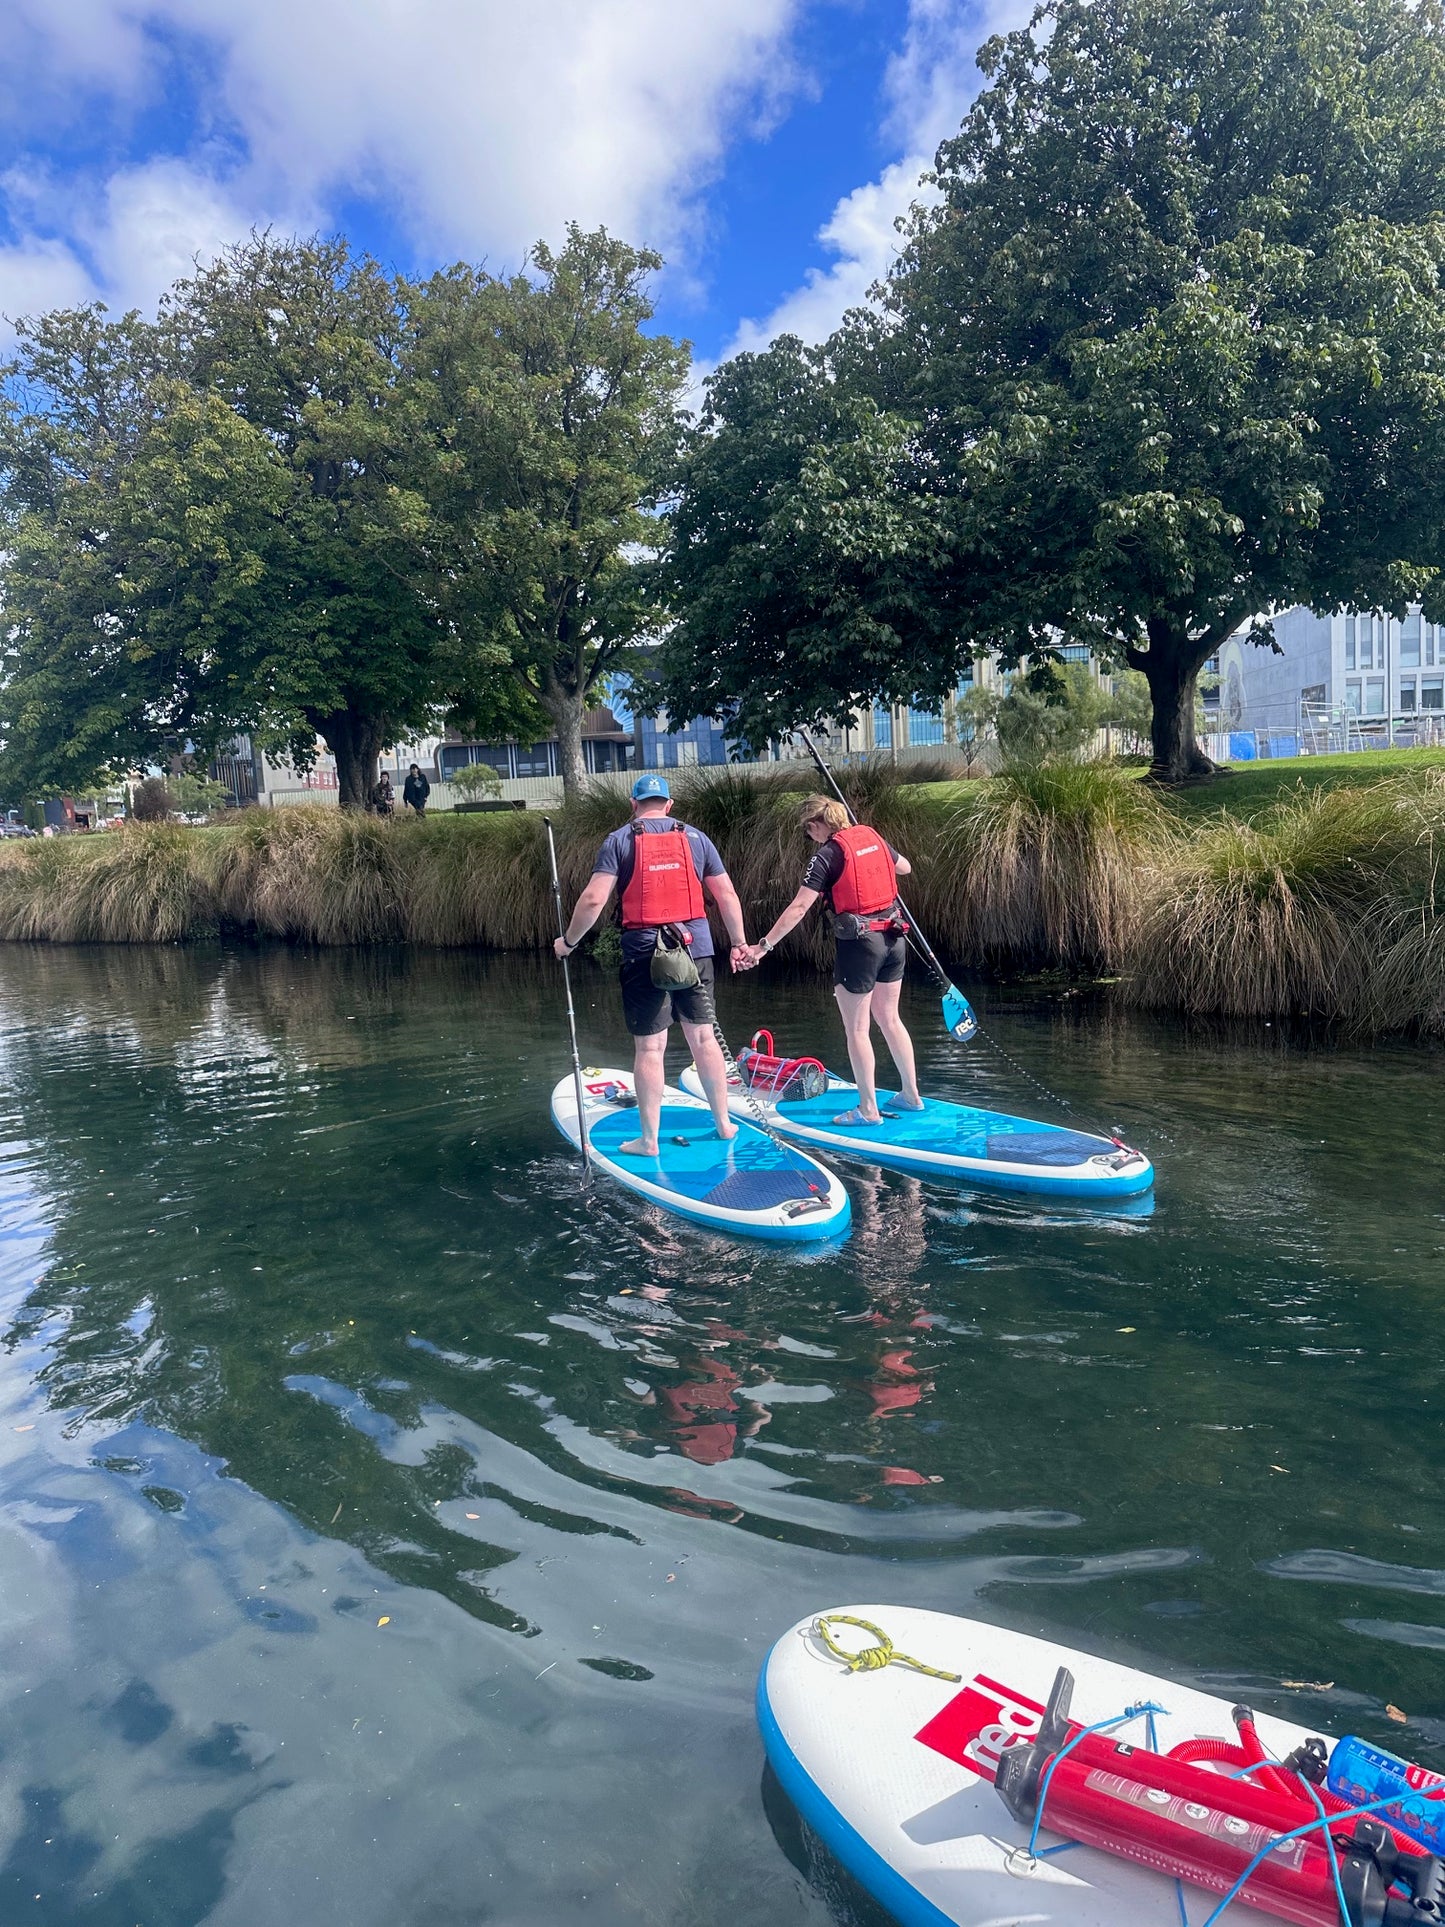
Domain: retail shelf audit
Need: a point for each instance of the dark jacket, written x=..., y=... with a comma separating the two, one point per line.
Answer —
x=415, y=791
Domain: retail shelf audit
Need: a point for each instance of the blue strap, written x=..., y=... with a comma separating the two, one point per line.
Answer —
x=1099, y=1726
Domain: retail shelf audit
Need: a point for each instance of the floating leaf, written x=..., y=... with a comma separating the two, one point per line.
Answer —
x=385, y=1620
x=1279, y=1468
x=1128, y=1328
x=1394, y=1713
x=1308, y=1685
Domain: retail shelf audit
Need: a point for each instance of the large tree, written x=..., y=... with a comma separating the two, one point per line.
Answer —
x=1164, y=350
x=555, y=424
x=214, y=523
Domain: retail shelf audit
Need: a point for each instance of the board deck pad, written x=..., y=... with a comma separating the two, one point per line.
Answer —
x=753, y=1183
x=694, y=1161
x=960, y=1128
x=945, y=1139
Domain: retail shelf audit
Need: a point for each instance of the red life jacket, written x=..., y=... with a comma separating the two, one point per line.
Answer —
x=869, y=882
x=664, y=886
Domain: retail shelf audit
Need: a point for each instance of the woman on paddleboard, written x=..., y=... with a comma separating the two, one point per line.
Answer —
x=856, y=869
x=662, y=869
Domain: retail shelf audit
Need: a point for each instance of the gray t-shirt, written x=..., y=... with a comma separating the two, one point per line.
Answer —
x=615, y=859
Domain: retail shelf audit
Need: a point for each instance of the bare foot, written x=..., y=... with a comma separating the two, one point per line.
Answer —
x=727, y=1132
x=635, y=1148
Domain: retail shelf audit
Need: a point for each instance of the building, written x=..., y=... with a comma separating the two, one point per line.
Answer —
x=1334, y=682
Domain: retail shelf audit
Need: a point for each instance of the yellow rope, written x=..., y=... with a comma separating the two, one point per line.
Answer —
x=872, y=1659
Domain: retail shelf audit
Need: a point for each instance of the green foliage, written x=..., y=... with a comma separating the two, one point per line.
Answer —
x=312, y=500
x=1166, y=349
x=476, y=780
x=149, y=800
x=1052, y=712
x=800, y=547
x=193, y=795
x=552, y=419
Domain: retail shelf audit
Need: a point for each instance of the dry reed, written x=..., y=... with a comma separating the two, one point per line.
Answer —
x=1326, y=905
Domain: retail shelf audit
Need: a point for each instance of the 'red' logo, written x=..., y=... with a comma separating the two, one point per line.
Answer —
x=978, y=1723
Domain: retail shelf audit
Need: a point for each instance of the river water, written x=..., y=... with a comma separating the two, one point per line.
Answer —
x=390, y=1531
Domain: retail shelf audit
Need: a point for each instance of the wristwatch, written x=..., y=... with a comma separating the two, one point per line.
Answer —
x=765, y=945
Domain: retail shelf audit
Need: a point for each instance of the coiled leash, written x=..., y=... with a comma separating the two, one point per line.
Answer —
x=872, y=1659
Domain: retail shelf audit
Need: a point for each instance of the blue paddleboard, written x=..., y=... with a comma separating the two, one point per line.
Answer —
x=749, y=1184
x=988, y=1148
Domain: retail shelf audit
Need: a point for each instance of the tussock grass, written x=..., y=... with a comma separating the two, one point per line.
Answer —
x=1050, y=865
x=1323, y=906
x=1328, y=903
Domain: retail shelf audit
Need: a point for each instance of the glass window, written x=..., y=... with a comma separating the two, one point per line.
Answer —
x=535, y=760
x=924, y=727
x=1432, y=692
x=1375, y=696
x=1367, y=645
x=1349, y=642
x=1432, y=635
x=883, y=726
x=1315, y=694
x=1407, y=696
x=1352, y=697
x=1410, y=643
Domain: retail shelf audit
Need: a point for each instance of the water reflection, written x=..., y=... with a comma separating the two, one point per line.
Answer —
x=340, y=1393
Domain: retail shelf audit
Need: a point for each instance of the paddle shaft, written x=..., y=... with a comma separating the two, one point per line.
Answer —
x=571, y=1013
x=915, y=936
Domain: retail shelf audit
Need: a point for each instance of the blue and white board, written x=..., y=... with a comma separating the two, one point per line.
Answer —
x=749, y=1184
x=893, y=1771
x=988, y=1148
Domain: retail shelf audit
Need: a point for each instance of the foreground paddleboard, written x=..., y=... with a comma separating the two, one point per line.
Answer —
x=750, y=1185
x=894, y=1771
x=956, y=1140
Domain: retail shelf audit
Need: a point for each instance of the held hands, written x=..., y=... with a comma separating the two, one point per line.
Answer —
x=747, y=956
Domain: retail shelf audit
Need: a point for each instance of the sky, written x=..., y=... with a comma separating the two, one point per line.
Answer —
x=764, y=147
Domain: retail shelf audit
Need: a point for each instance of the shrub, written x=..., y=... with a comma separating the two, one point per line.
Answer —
x=1047, y=863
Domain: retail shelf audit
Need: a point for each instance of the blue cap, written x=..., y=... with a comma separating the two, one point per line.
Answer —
x=649, y=785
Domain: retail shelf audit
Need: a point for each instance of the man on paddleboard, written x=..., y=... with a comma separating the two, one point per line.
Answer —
x=856, y=869
x=662, y=870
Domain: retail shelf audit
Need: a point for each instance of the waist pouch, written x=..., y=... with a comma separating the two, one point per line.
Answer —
x=848, y=926
x=672, y=967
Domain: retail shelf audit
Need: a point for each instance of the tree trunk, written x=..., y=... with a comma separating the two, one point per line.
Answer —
x=1171, y=666
x=564, y=707
x=356, y=742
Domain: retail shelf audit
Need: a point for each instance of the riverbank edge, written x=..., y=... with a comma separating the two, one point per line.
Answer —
x=1324, y=905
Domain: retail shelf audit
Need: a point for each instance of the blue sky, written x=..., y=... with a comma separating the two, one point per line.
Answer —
x=764, y=146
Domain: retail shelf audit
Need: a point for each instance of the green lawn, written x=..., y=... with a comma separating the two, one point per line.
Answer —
x=1250, y=788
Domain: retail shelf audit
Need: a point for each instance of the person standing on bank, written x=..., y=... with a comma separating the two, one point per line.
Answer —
x=415, y=790
x=857, y=871
x=663, y=870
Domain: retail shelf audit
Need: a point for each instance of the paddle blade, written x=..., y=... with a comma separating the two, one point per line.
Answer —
x=958, y=1014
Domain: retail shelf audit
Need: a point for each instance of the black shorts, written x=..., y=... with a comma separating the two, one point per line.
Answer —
x=649, y=1010
x=874, y=958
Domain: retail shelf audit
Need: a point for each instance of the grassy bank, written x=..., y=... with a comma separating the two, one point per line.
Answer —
x=1318, y=897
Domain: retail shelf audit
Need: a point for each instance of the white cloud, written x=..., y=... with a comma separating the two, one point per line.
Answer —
x=122, y=240
x=484, y=124
x=928, y=86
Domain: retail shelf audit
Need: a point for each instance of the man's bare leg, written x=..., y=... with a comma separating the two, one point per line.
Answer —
x=714, y=1074
x=648, y=1077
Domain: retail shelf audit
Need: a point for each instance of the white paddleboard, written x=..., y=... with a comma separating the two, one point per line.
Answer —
x=892, y=1770
x=948, y=1140
x=750, y=1184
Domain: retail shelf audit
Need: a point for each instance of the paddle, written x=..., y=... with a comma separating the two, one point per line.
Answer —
x=958, y=1016
x=571, y=1013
